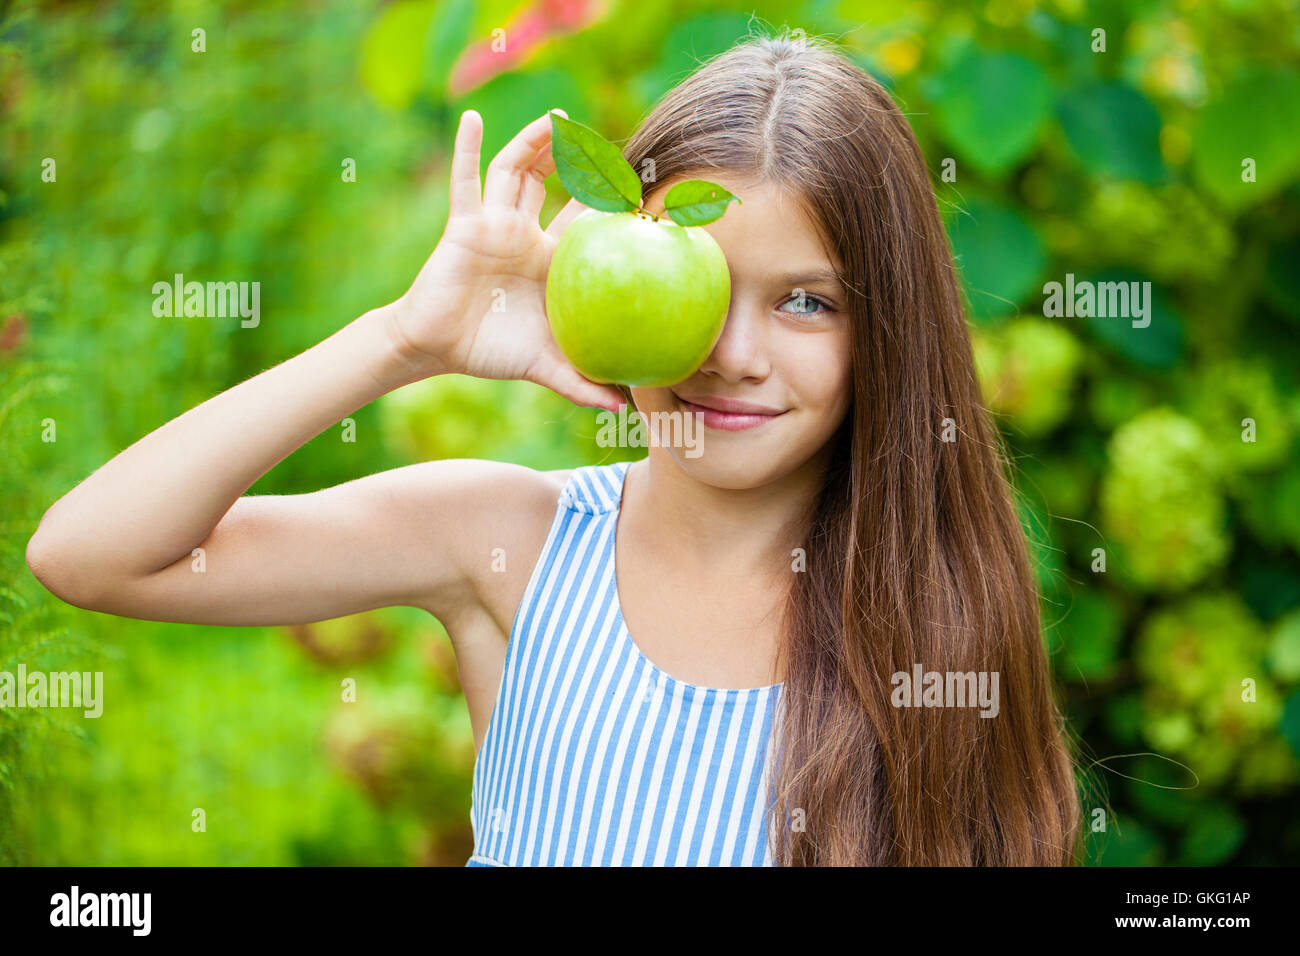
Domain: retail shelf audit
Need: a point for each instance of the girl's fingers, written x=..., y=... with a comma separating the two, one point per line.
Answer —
x=466, y=189
x=544, y=161
x=506, y=171
x=532, y=196
x=561, y=377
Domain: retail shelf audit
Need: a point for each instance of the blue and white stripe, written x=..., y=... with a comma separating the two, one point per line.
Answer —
x=593, y=755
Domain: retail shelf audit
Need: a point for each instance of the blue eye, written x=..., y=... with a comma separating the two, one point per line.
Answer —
x=808, y=300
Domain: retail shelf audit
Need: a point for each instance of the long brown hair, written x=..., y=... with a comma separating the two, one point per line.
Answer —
x=914, y=552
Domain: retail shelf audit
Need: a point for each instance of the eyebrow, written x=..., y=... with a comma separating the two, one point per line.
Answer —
x=807, y=278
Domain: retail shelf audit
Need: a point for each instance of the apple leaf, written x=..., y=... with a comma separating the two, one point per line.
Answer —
x=592, y=169
x=696, y=202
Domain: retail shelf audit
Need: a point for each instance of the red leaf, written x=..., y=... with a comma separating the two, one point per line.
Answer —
x=527, y=32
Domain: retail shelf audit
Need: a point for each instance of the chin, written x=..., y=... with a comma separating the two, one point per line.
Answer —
x=718, y=469
x=738, y=461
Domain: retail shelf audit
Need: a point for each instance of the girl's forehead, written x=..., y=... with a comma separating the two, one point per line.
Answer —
x=770, y=231
x=765, y=207
x=774, y=229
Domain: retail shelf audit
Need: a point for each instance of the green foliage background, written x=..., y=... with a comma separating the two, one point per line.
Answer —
x=1117, y=165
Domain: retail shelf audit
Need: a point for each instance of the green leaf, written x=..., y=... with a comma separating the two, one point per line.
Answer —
x=1157, y=345
x=1269, y=586
x=592, y=168
x=1213, y=837
x=393, y=50
x=1124, y=843
x=1290, y=725
x=696, y=202
x=1124, y=717
x=1161, y=790
x=1000, y=256
x=1282, y=280
x=1254, y=119
x=992, y=108
x=1114, y=130
x=446, y=40
x=1090, y=628
x=688, y=44
x=510, y=101
x=1045, y=557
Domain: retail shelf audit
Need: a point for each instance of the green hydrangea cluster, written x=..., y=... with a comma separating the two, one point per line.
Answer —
x=1226, y=393
x=1208, y=696
x=1284, y=647
x=1027, y=371
x=1161, y=503
x=1131, y=222
x=457, y=416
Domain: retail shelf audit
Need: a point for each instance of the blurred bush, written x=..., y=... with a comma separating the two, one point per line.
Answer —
x=1156, y=466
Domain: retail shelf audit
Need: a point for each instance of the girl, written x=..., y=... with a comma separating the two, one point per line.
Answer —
x=697, y=658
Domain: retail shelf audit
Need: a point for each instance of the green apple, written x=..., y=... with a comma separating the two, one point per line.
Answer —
x=636, y=301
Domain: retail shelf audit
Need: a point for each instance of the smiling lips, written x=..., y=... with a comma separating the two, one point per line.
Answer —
x=729, y=414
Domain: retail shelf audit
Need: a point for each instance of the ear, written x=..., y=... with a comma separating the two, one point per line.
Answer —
x=565, y=216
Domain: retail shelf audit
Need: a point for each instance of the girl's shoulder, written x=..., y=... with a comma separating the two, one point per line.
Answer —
x=504, y=514
x=476, y=515
x=560, y=477
x=517, y=508
x=495, y=519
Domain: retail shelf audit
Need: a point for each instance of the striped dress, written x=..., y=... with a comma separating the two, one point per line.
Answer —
x=593, y=755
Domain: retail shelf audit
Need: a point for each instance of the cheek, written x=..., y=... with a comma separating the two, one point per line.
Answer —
x=818, y=368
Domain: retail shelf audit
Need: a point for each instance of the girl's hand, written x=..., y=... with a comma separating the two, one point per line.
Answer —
x=478, y=307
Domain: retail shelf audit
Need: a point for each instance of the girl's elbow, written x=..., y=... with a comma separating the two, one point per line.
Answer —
x=59, y=572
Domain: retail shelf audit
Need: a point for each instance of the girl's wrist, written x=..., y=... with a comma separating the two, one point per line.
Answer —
x=396, y=361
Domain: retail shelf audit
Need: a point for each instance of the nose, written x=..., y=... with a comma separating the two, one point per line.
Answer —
x=741, y=352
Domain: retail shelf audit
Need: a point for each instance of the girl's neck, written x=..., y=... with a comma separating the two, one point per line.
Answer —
x=705, y=529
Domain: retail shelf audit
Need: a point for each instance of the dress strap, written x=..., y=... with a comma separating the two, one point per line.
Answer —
x=595, y=489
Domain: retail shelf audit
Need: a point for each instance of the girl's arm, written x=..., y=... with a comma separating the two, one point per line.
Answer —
x=161, y=531
x=124, y=540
